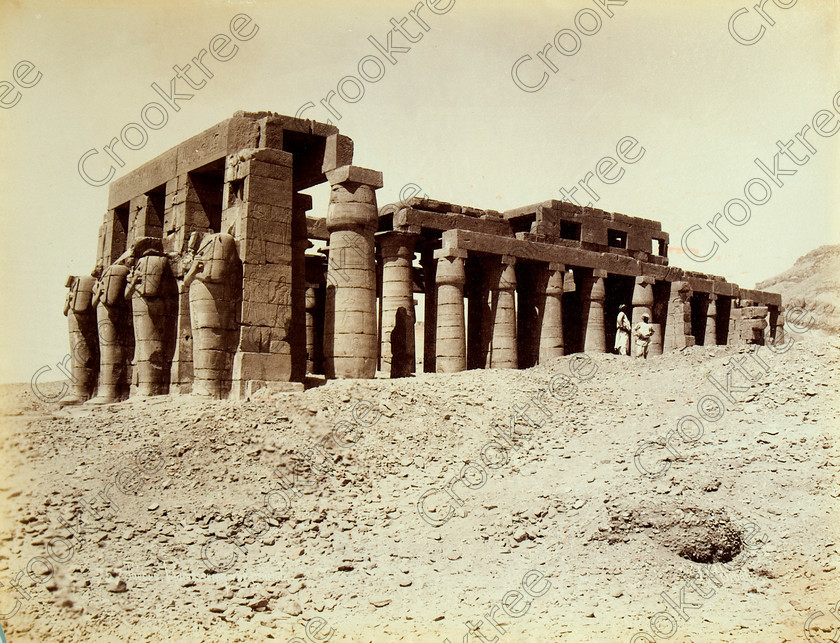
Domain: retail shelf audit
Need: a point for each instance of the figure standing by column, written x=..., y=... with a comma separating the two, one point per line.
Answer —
x=622, y=331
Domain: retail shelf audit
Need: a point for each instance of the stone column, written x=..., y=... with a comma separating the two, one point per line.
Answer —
x=84, y=355
x=350, y=341
x=503, y=349
x=551, y=328
x=678, y=325
x=642, y=300
x=113, y=329
x=311, y=344
x=593, y=294
x=397, y=351
x=150, y=289
x=710, y=336
x=451, y=337
x=213, y=282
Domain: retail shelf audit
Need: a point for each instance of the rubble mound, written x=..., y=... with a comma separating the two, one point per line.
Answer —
x=254, y=519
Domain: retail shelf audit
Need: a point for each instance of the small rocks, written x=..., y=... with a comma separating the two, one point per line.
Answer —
x=293, y=608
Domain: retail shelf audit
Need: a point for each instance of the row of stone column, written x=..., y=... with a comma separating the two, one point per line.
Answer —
x=350, y=345
x=451, y=345
x=497, y=339
x=122, y=325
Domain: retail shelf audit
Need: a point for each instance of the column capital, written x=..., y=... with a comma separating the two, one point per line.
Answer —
x=396, y=244
x=450, y=253
x=450, y=270
x=556, y=267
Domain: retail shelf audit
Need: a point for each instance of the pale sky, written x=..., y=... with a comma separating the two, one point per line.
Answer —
x=447, y=117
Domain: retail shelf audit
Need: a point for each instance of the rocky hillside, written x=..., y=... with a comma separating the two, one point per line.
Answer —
x=814, y=283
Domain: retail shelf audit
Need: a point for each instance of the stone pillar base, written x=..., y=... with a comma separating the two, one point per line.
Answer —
x=265, y=368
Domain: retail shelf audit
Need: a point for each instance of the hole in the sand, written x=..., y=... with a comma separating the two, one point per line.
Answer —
x=699, y=535
x=705, y=539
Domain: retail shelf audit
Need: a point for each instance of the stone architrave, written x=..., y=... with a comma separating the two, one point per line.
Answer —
x=212, y=280
x=451, y=336
x=84, y=353
x=593, y=295
x=113, y=328
x=350, y=329
x=151, y=289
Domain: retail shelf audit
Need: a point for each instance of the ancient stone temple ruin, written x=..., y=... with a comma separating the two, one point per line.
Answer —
x=213, y=278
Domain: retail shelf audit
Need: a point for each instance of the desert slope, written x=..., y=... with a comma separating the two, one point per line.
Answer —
x=814, y=283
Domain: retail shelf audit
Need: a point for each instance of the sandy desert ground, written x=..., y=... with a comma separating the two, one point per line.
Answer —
x=552, y=508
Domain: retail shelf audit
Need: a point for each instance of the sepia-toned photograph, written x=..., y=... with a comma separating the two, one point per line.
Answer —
x=454, y=321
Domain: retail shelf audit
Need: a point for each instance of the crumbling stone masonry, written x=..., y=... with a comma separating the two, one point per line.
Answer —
x=212, y=279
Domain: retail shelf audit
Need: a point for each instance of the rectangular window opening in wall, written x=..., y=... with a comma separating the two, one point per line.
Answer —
x=121, y=218
x=616, y=239
x=157, y=203
x=570, y=230
x=661, y=247
x=208, y=186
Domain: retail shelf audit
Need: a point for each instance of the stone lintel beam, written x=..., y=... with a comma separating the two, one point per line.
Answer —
x=210, y=145
x=355, y=174
x=762, y=297
x=543, y=252
x=450, y=221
